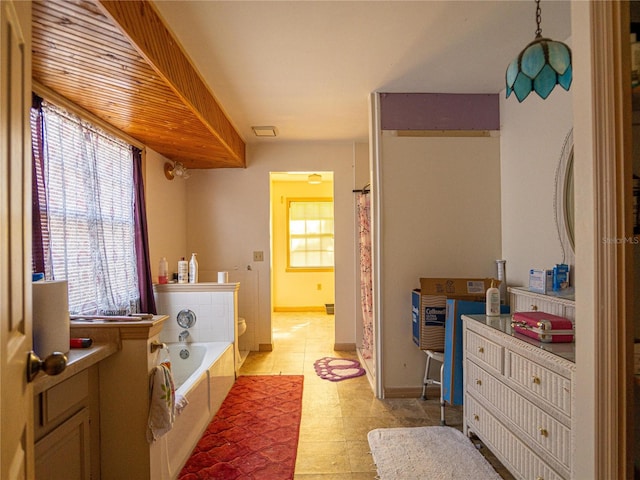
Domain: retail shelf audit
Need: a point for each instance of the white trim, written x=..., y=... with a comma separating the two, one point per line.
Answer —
x=376, y=238
x=601, y=88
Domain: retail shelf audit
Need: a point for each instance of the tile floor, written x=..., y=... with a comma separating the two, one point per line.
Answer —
x=336, y=416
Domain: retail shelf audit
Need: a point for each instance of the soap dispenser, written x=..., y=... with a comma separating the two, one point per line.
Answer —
x=493, y=301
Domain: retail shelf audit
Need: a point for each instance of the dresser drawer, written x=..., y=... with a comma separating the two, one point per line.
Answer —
x=517, y=456
x=543, y=385
x=484, y=351
x=546, y=433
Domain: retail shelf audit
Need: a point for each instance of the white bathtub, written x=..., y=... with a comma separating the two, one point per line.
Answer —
x=204, y=379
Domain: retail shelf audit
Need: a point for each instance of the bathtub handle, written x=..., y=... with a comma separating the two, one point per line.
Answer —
x=155, y=345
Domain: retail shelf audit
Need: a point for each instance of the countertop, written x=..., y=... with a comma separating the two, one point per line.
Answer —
x=78, y=359
x=503, y=324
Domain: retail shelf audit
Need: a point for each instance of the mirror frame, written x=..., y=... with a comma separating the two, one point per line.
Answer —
x=563, y=205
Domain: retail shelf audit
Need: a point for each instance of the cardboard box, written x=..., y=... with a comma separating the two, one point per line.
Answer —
x=429, y=306
x=540, y=280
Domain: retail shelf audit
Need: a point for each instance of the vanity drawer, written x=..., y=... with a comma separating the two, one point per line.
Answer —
x=545, y=432
x=542, y=384
x=516, y=455
x=484, y=351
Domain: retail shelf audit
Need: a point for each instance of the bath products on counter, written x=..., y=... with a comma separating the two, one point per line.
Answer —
x=493, y=301
x=163, y=271
x=183, y=271
x=223, y=277
x=193, y=269
x=80, y=342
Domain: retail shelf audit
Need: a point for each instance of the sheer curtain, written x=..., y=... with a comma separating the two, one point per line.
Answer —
x=364, y=222
x=84, y=218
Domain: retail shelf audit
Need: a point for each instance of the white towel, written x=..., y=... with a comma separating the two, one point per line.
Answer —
x=162, y=402
x=181, y=402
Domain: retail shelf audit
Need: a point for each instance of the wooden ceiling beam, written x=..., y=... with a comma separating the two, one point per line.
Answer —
x=144, y=27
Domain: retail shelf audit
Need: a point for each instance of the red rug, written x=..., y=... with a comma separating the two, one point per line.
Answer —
x=254, y=435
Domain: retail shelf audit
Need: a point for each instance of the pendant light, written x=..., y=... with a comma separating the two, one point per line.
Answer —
x=542, y=65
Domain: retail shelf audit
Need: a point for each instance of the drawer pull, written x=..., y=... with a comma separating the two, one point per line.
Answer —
x=543, y=431
x=478, y=382
x=476, y=417
x=480, y=349
x=535, y=379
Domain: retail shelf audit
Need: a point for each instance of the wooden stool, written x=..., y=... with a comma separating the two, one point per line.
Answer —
x=439, y=357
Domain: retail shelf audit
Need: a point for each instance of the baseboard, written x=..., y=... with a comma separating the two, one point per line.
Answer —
x=265, y=347
x=410, y=392
x=299, y=309
x=344, y=347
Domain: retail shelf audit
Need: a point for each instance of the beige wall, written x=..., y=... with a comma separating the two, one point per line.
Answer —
x=166, y=206
x=532, y=135
x=228, y=218
x=440, y=217
x=296, y=290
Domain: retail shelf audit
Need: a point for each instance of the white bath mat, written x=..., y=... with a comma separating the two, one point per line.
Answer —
x=433, y=453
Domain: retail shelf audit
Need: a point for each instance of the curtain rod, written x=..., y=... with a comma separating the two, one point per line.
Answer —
x=364, y=189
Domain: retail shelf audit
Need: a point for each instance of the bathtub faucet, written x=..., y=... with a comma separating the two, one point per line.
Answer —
x=183, y=335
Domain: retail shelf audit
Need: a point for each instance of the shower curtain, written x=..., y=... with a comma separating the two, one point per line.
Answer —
x=364, y=222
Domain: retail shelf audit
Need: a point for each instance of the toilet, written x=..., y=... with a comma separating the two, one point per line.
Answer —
x=242, y=326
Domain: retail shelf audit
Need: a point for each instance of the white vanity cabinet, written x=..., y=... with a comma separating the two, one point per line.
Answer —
x=519, y=398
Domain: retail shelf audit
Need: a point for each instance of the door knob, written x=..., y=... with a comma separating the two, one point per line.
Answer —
x=54, y=364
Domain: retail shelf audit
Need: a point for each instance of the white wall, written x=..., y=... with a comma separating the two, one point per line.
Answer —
x=166, y=203
x=228, y=218
x=532, y=134
x=440, y=217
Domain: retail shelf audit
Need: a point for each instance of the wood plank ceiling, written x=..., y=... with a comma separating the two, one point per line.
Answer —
x=117, y=60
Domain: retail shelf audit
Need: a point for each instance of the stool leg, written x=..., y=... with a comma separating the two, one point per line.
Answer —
x=442, y=422
x=426, y=378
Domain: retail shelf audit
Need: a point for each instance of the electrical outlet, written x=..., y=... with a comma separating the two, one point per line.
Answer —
x=258, y=256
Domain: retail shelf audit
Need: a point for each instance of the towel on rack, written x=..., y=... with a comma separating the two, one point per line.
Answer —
x=162, y=402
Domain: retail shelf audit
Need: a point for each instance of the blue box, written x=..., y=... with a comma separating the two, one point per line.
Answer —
x=560, y=277
x=452, y=382
x=428, y=316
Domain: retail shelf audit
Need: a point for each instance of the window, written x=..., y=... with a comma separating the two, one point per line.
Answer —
x=84, y=181
x=310, y=234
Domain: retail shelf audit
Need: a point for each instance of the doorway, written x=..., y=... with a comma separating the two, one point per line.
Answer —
x=302, y=241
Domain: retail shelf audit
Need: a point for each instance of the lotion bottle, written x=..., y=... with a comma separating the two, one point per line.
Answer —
x=183, y=271
x=493, y=301
x=193, y=269
x=163, y=271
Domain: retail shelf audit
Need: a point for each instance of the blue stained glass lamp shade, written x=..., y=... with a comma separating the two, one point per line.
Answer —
x=541, y=66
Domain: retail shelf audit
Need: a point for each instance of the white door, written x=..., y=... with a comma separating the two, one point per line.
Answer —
x=16, y=398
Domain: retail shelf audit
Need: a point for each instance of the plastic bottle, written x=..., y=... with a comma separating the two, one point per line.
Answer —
x=183, y=271
x=493, y=301
x=163, y=270
x=503, y=281
x=193, y=269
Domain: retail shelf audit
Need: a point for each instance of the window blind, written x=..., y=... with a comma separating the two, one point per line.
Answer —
x=90, y=235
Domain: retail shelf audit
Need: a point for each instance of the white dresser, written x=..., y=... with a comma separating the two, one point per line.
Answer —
x=519, y=398
x=558, y=303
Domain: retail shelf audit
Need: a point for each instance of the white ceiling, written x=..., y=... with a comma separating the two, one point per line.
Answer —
x=308, y=67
